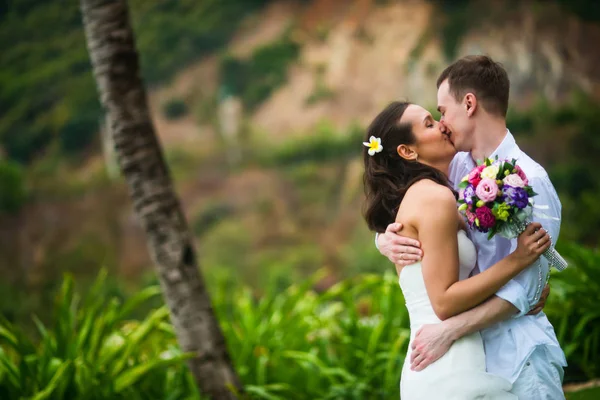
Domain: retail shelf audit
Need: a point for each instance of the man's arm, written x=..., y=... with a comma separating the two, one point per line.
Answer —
x=441, y=336
x=398, y=249
x=433, y=341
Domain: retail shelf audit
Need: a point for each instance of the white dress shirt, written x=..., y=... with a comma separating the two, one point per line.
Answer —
x=508, y=344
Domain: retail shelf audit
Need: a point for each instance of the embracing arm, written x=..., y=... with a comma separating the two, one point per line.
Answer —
x=432, y=341
x=486, y=314
x=437, y=232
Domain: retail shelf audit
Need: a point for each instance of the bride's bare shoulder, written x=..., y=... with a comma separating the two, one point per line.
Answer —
x=430, y=193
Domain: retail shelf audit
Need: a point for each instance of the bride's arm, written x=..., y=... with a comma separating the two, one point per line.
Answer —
x=437, y=225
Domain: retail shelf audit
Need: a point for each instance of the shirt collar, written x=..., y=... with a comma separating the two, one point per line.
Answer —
x=503, y=151
x=506, y=147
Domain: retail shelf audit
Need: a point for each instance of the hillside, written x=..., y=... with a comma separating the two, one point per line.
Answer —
x=354, y=57
x=299, y=79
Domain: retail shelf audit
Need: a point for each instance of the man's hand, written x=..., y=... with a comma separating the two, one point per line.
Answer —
x=430, y=343
x=542, y=303
x=398, y=249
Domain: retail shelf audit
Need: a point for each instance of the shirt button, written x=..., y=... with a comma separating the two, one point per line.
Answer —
x=528, y=363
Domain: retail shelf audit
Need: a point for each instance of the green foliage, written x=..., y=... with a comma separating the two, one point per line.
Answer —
x=573, y=310
x=585, y=394
x=47, y=90
x=458, y=20
x=256, y=78
x=347, y=342
x=210, y=216
x=93, y=352
x=324, y=144
x=321, y=91
x=171, y=33
x=289, y=342
x=174, y=109
x=454, y=19
x=12, y=187
x=567, y=132
x=588, y=10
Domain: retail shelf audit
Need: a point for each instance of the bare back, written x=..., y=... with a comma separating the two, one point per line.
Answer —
x=423, y=203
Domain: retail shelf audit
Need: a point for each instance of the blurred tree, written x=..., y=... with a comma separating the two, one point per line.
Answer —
x=115, y=64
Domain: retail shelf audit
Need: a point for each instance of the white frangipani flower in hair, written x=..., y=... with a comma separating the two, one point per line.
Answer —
x=374, y=145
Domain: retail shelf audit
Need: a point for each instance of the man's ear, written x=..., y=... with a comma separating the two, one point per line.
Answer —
x=407, y=152
x=470, y=104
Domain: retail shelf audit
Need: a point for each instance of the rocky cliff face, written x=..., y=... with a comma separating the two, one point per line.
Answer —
x=358, y=55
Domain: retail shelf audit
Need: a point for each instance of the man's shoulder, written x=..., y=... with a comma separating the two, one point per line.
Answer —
x=536, y=173
x=532, y=168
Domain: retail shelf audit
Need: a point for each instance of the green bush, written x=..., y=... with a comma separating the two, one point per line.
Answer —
x=174, y=109
x=321, y=91
x=292, y=343
x=93, y=351
x=588, y=10
x=12, y=187
x=266, y=70
x=210, y=216
x=573, y=310
x=323, y=145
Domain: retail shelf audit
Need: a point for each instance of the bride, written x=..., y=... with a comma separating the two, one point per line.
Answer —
x=406, y=180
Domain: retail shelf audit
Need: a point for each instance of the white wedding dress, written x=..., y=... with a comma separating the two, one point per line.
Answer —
x=460, y=374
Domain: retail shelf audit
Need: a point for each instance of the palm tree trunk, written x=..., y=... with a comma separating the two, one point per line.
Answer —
x=111, y=46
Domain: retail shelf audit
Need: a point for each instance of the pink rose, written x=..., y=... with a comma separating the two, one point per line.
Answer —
x=514, y=180
x=475, y=175
x=486, y=218
x=487, y=190
x=521, y=174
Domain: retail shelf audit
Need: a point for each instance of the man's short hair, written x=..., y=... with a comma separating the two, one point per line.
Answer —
x=483, y=77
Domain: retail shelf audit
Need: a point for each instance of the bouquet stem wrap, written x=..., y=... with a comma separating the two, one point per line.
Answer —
x=554, y=258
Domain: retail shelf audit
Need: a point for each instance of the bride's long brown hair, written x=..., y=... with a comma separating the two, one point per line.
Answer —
x=388, y=176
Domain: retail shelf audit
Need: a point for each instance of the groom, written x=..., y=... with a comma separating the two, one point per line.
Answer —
x=520, y=342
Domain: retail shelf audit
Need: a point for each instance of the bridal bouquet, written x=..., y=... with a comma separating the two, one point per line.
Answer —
x=496, y=198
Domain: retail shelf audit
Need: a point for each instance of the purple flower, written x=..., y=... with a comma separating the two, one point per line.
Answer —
x=516, y=196
x=469, y=193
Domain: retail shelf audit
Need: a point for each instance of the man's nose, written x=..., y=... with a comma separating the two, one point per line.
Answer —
x=443, y=128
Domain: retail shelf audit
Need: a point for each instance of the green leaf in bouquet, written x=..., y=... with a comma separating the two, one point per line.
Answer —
x=463, y=184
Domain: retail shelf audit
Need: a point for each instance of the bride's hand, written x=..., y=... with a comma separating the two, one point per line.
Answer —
x=531, y=244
